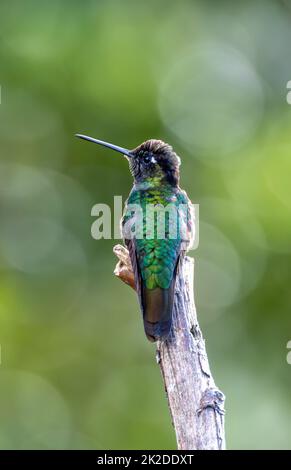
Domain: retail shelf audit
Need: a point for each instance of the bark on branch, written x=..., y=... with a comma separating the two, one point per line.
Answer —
x=196, y=404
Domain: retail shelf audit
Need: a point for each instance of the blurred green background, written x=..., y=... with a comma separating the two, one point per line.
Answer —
x=208, y=77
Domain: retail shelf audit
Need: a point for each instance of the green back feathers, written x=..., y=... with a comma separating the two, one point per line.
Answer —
x=156, y=257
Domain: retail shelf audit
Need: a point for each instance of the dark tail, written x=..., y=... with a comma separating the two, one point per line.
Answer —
x=157, y=312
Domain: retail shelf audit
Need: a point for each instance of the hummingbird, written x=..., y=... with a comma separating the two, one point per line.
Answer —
x=155, y=259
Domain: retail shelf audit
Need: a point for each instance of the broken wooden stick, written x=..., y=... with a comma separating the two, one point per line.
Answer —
x=196, y=404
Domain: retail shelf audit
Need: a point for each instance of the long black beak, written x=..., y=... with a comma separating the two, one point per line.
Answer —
x=106, y=144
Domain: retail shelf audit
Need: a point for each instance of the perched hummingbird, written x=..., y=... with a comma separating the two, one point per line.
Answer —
x=155, y=259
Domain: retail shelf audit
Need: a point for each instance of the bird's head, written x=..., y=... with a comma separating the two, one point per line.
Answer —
x=156, y=160
x=153, y=160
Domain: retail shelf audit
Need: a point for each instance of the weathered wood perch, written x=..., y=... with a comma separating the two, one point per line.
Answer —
x=196, y=404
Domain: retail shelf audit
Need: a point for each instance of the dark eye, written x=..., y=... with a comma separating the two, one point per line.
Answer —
x=147, y=158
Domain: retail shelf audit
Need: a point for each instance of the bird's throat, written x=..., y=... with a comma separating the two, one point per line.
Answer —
x=152, y=182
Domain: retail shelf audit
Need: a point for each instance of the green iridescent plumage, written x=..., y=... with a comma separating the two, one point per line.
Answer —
x=157, y=258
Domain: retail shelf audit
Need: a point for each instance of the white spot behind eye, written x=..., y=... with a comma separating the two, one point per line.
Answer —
x=153, y=160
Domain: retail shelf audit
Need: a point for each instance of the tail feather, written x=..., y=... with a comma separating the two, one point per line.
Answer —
x=157, y=311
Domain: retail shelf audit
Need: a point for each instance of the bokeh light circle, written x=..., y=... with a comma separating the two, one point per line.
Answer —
x=212, y=100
